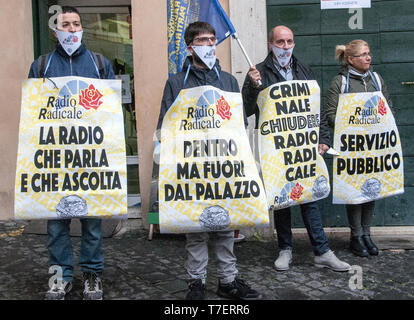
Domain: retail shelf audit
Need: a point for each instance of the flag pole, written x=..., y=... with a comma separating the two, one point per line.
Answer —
x=235, y=36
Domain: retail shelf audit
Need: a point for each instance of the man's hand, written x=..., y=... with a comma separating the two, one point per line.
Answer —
x=322, y=148
x=254, y=75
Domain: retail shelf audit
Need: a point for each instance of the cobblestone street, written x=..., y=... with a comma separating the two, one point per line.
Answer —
x=138, y=269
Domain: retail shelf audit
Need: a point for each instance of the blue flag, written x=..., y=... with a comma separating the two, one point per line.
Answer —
x=180, y=14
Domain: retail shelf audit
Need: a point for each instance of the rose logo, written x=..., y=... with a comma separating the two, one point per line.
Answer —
x=296, y=192
x=75, y=39
x=382, y=110
x=89, y=98
x=223, y=109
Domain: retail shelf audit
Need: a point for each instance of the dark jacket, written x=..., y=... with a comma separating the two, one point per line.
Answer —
x=79, y=64
x=270, y=76
x=196, y=77
x=356, y=84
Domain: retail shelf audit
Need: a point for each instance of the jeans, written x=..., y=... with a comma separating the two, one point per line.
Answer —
x=197, y=255
x=60, y=249
x=313, y=223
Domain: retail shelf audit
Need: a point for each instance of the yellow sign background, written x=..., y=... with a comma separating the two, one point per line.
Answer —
x=108, y=116
x=181, y=216
x=365, y=187
x=281, y=191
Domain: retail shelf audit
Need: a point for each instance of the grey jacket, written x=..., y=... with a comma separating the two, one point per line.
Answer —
x=356, y=84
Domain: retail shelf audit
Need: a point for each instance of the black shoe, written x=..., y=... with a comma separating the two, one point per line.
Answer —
x=237, y=289
x=92, y=286
x=358, y=247
x=197, y=290
x=372, y=248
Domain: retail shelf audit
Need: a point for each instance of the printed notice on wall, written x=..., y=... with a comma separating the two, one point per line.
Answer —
x=345, y=4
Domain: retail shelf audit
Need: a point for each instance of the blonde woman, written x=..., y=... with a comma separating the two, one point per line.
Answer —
x=356, y=76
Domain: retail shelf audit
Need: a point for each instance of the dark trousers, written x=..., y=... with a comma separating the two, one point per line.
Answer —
x=312, y=219
x=360, y=217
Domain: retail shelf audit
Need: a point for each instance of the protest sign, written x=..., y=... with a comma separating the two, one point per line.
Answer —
x=370, y=161
x=208, y=179
x=293, y=170
x=71, y=157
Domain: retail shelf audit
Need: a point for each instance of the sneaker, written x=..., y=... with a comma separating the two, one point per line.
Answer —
x=329, y=260
x=58, y=290
x=92, y=286
x=237, y=289
x=284, y=259
x=197, y=290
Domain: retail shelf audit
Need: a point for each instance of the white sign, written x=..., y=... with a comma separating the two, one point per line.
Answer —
x=293, y=171
x=71, y=156
x=370, y=164
x=345, y=4
x=208, y=179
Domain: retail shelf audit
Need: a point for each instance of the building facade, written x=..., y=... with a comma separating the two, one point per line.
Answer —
x=133, y=35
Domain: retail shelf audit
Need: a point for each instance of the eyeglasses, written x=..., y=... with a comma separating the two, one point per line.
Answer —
x=364, y=55
x=205, y=39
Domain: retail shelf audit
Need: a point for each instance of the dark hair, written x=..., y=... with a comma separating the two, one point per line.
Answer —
x=69, y=9
x=271, y=35
x=196, y=28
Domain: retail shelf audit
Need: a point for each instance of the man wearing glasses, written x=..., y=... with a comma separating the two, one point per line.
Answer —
x=201, y=69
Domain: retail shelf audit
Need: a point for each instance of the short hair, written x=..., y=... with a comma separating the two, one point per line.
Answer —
x=69, y=9
x=196, y=28
x=271, y=34
x=342, y=52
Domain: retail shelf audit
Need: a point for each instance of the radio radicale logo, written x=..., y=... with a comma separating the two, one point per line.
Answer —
x=370, y=113
x=66, y=104
x=210, y=111
x=290, y=191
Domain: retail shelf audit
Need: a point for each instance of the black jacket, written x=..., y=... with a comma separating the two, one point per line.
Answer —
x=270, y=76
x=196, y=78
x=79, y=64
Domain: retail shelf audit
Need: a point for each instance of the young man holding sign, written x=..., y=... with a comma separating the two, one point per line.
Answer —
x=280, y=66
x=72, y=58
x=202, y=121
